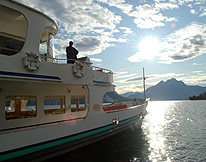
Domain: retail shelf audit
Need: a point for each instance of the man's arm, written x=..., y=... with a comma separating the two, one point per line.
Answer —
x=76, y=51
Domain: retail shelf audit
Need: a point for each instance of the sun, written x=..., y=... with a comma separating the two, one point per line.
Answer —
x=149, y=47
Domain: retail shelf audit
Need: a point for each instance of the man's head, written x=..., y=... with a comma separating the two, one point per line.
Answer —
x=71, y=43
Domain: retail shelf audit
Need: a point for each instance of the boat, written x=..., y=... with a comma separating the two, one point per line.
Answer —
x=48, y=107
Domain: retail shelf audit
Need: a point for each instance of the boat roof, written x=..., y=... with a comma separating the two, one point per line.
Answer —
x=37, y=11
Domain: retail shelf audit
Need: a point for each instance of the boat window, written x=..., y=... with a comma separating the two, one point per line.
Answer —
x=47, y=44
x=78, y=103
x=18, y=107
x=13, y=30
x=54, y=105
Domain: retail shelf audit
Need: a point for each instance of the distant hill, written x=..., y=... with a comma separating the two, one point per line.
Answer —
x=170, y=90
x=136, y=95
x=128, y=94
x=202, y=96
x=112, y=96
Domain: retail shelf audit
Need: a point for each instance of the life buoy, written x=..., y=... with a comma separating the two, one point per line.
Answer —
x=78, y=69
x=27, y=63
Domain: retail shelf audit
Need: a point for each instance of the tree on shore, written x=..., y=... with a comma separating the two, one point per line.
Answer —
x=202, y=96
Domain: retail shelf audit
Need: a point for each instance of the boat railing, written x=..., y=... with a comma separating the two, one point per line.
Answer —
x=102, y=70
x=123, y=105
x=134, y=101
x=56, y=60
x=138, y=101
x=64, y=61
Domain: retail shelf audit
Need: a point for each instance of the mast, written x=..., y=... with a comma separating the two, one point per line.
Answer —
x=144, y=83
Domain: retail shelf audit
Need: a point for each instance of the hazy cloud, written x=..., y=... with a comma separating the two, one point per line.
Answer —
x=148, y=16
x=88, y=19
x=129, y=88
x=120, y=4
x=166, y=6
x=184, y=44
x=93, y=26
x=96, y=59
x=197, y=64
x=135, y=79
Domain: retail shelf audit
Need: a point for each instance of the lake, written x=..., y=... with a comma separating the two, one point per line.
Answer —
x=171, y=131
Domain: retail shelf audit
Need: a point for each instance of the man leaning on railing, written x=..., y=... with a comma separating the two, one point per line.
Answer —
x=71, y=53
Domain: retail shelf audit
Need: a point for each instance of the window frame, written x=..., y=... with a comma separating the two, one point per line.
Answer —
x=12, y=40
x=49, y=111
x=78, y=106
x=20, y=110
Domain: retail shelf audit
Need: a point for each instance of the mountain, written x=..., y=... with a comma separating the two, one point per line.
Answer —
x=171, y=90
x=136, y=95
x=128, y=94
x=112, y=96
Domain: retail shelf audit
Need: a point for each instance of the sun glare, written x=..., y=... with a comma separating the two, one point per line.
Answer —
x=149, y=47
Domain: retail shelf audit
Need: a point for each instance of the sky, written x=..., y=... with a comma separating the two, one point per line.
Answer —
x=165, y=37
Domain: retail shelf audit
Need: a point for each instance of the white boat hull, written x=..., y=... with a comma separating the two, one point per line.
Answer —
x=43, y=141
x=47, y=105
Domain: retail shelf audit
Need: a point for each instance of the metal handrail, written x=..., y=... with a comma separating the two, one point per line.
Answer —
x=102, y=70
x=56, y=60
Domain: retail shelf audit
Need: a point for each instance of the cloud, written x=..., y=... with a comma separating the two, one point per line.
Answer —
x=90, y=25
x=192, y=11
x=88, y=43
x=184, y=44
x=129, y=88
x=120, y=4
x=182, y=57
x=166, y=6
x=95, y=25
x=148, y=16
x=195, y=78
x=122, y=77
x=198, y=40
x=197, y=64
x=198, y=72
x=128, y=78
x=138, y=57
x=135, y=79
x=126, y=30
x=96, y=59
x=134, y=84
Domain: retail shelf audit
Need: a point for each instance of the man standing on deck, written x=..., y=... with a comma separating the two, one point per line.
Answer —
x=71, y=53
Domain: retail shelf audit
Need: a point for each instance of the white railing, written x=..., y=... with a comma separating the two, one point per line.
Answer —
x=102, y=70
x=56, y=60
x=64, y=61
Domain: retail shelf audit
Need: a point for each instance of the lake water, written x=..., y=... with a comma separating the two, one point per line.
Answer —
x=171, y=131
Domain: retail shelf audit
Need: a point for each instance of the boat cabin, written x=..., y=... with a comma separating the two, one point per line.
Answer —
x=34, y=85
x=16, y=35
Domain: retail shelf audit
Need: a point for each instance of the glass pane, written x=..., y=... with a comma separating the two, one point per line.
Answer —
x=78, y=103
x=17, y=107
x=13, y=29
x=54, y=105
x=47, y=44
x=73, y=103
x=43, y=48
x=82, y=102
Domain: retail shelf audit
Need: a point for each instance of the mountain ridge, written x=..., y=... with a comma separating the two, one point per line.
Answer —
x=170, y=90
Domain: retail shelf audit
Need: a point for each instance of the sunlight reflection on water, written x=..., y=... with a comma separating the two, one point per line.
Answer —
x=171, y=131
x=155, y=122
x=175, y=130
